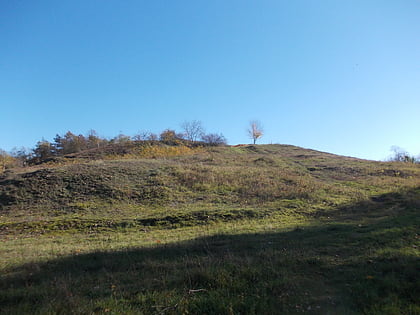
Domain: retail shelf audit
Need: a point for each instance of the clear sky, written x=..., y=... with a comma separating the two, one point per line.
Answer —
x=337, y=76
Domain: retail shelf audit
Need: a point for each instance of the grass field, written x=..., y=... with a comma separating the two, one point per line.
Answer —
x=267, y=229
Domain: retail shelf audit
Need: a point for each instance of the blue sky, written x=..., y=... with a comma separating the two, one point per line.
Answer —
x=337, y=76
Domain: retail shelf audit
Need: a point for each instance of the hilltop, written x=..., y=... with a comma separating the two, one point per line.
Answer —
x=160, y=174
x=303, y=210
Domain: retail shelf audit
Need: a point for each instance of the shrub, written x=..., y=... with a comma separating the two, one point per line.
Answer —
x=213, y=139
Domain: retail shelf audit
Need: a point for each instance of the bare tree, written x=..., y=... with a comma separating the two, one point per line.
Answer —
x=22, y=155
x=142, y=135
x=255, y=130
x=145, y=136
x=193, y=130
x=401, y=155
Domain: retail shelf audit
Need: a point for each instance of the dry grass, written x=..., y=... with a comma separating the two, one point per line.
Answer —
x=254, y=230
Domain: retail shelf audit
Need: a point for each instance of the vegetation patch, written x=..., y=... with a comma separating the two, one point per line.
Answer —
x=94, y=225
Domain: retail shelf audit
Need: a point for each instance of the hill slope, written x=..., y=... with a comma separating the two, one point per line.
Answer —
x=247, y=229
x=228, y=175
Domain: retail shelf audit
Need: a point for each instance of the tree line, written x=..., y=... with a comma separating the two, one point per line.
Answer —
x=192, y=134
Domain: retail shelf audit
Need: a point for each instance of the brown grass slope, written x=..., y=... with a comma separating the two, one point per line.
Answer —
x=250, y=174
x=258, y=229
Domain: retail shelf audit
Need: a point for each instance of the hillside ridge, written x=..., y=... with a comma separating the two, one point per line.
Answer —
x=232, y=174
x=256, y=229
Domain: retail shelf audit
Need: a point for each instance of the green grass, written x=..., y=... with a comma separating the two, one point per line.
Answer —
x=264, y=229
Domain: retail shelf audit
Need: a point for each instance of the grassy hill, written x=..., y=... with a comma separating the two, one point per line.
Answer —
x=258, y=229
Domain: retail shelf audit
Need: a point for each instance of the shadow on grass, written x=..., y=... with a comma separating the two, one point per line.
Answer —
x=336, y=268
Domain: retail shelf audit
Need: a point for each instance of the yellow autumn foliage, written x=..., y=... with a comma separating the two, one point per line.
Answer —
x=6, y=161
x=156, y=151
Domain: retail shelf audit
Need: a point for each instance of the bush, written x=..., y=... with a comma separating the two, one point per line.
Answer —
x=170, y=137
x=213, y=139
x=6, y=161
